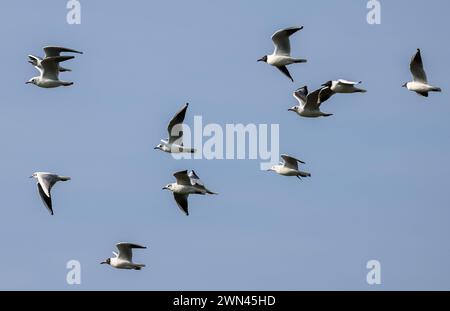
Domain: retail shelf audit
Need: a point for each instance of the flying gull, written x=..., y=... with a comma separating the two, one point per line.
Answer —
x=309, y=103
x=124, y=259
x=419, y=84
x=174, y=144
x=45, y=182
x=341, y=86
x=187, y=183
x=49, y=69
x=281, y=57
x=289, y=167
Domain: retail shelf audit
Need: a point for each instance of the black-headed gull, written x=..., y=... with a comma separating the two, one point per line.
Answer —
x=45, y=182
x=174, y=144
x=341, y=86
x=281, y=57
x=309, y=103
x=49, y=69
x=124, y=259
x=419, y=84
x=289, y=167
x=186, y=184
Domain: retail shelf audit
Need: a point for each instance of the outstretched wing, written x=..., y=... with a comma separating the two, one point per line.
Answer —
x=291, y=162
x=126, y=250
x=301, y=94
x=324, y=94
x=182, y=202
x=50, y=66
x=175, y=127
x=285, y=71
x=416, y=67
x=183, y=178
x=281, y=40
x=57, y=50
x=46, y=199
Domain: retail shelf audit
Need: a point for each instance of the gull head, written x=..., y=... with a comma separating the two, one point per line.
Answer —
x=35, y=175
x=405, y=85
x=159, y=147
x=294, y=109
x=263, y=59
x=167, y=187
x=31, y=81
x=107, y=261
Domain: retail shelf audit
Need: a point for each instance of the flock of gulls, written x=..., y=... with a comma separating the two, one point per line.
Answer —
x=187, y=182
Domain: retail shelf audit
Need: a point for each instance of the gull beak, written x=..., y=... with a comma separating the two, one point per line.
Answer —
x=103, y=262
x=164, y=188
x=291, y=109
x=260, y=60
x=28, y=82
x=155, y=148
x=31, y=176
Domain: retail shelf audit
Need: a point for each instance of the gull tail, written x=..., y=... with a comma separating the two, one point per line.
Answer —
x=361, y=91
x=298, y=61
x=327, y=114
x=436, y=89
x=210, y=192
x=64, y=178
x=139, y=267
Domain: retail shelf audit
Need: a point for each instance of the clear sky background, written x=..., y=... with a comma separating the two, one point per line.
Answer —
x=380, y=165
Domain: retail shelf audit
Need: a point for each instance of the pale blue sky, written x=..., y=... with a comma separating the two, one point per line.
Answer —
x=380, y=165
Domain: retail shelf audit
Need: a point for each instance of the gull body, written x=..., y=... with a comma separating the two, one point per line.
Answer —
x=186, y=184
x=45, y=182
x=309, y=103
x=289, y=167
x=343, y=87
x=420, y=83
x=174, y=144
x=51, y=51
x=281, y=57
x=49, y=69
x=124, y=259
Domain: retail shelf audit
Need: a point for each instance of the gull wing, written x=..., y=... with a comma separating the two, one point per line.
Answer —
x=182, y=202
x=285, y=71
x=50, y=66
x=291, y=162
x=175, y=127
x=126, y=250
x=301, y=94
x=183, y=178
x=57, y=50
x=416, y=67
x=281, y=40
x=46, y=199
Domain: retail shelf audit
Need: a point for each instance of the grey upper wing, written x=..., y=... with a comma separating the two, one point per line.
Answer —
x=182, y=202
x=126, y=250
x=50, y=66
x=291, y=162
x=175, y=127
x=183, y=178
x=281, y=40
x=416, y=67
x=57, y=50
